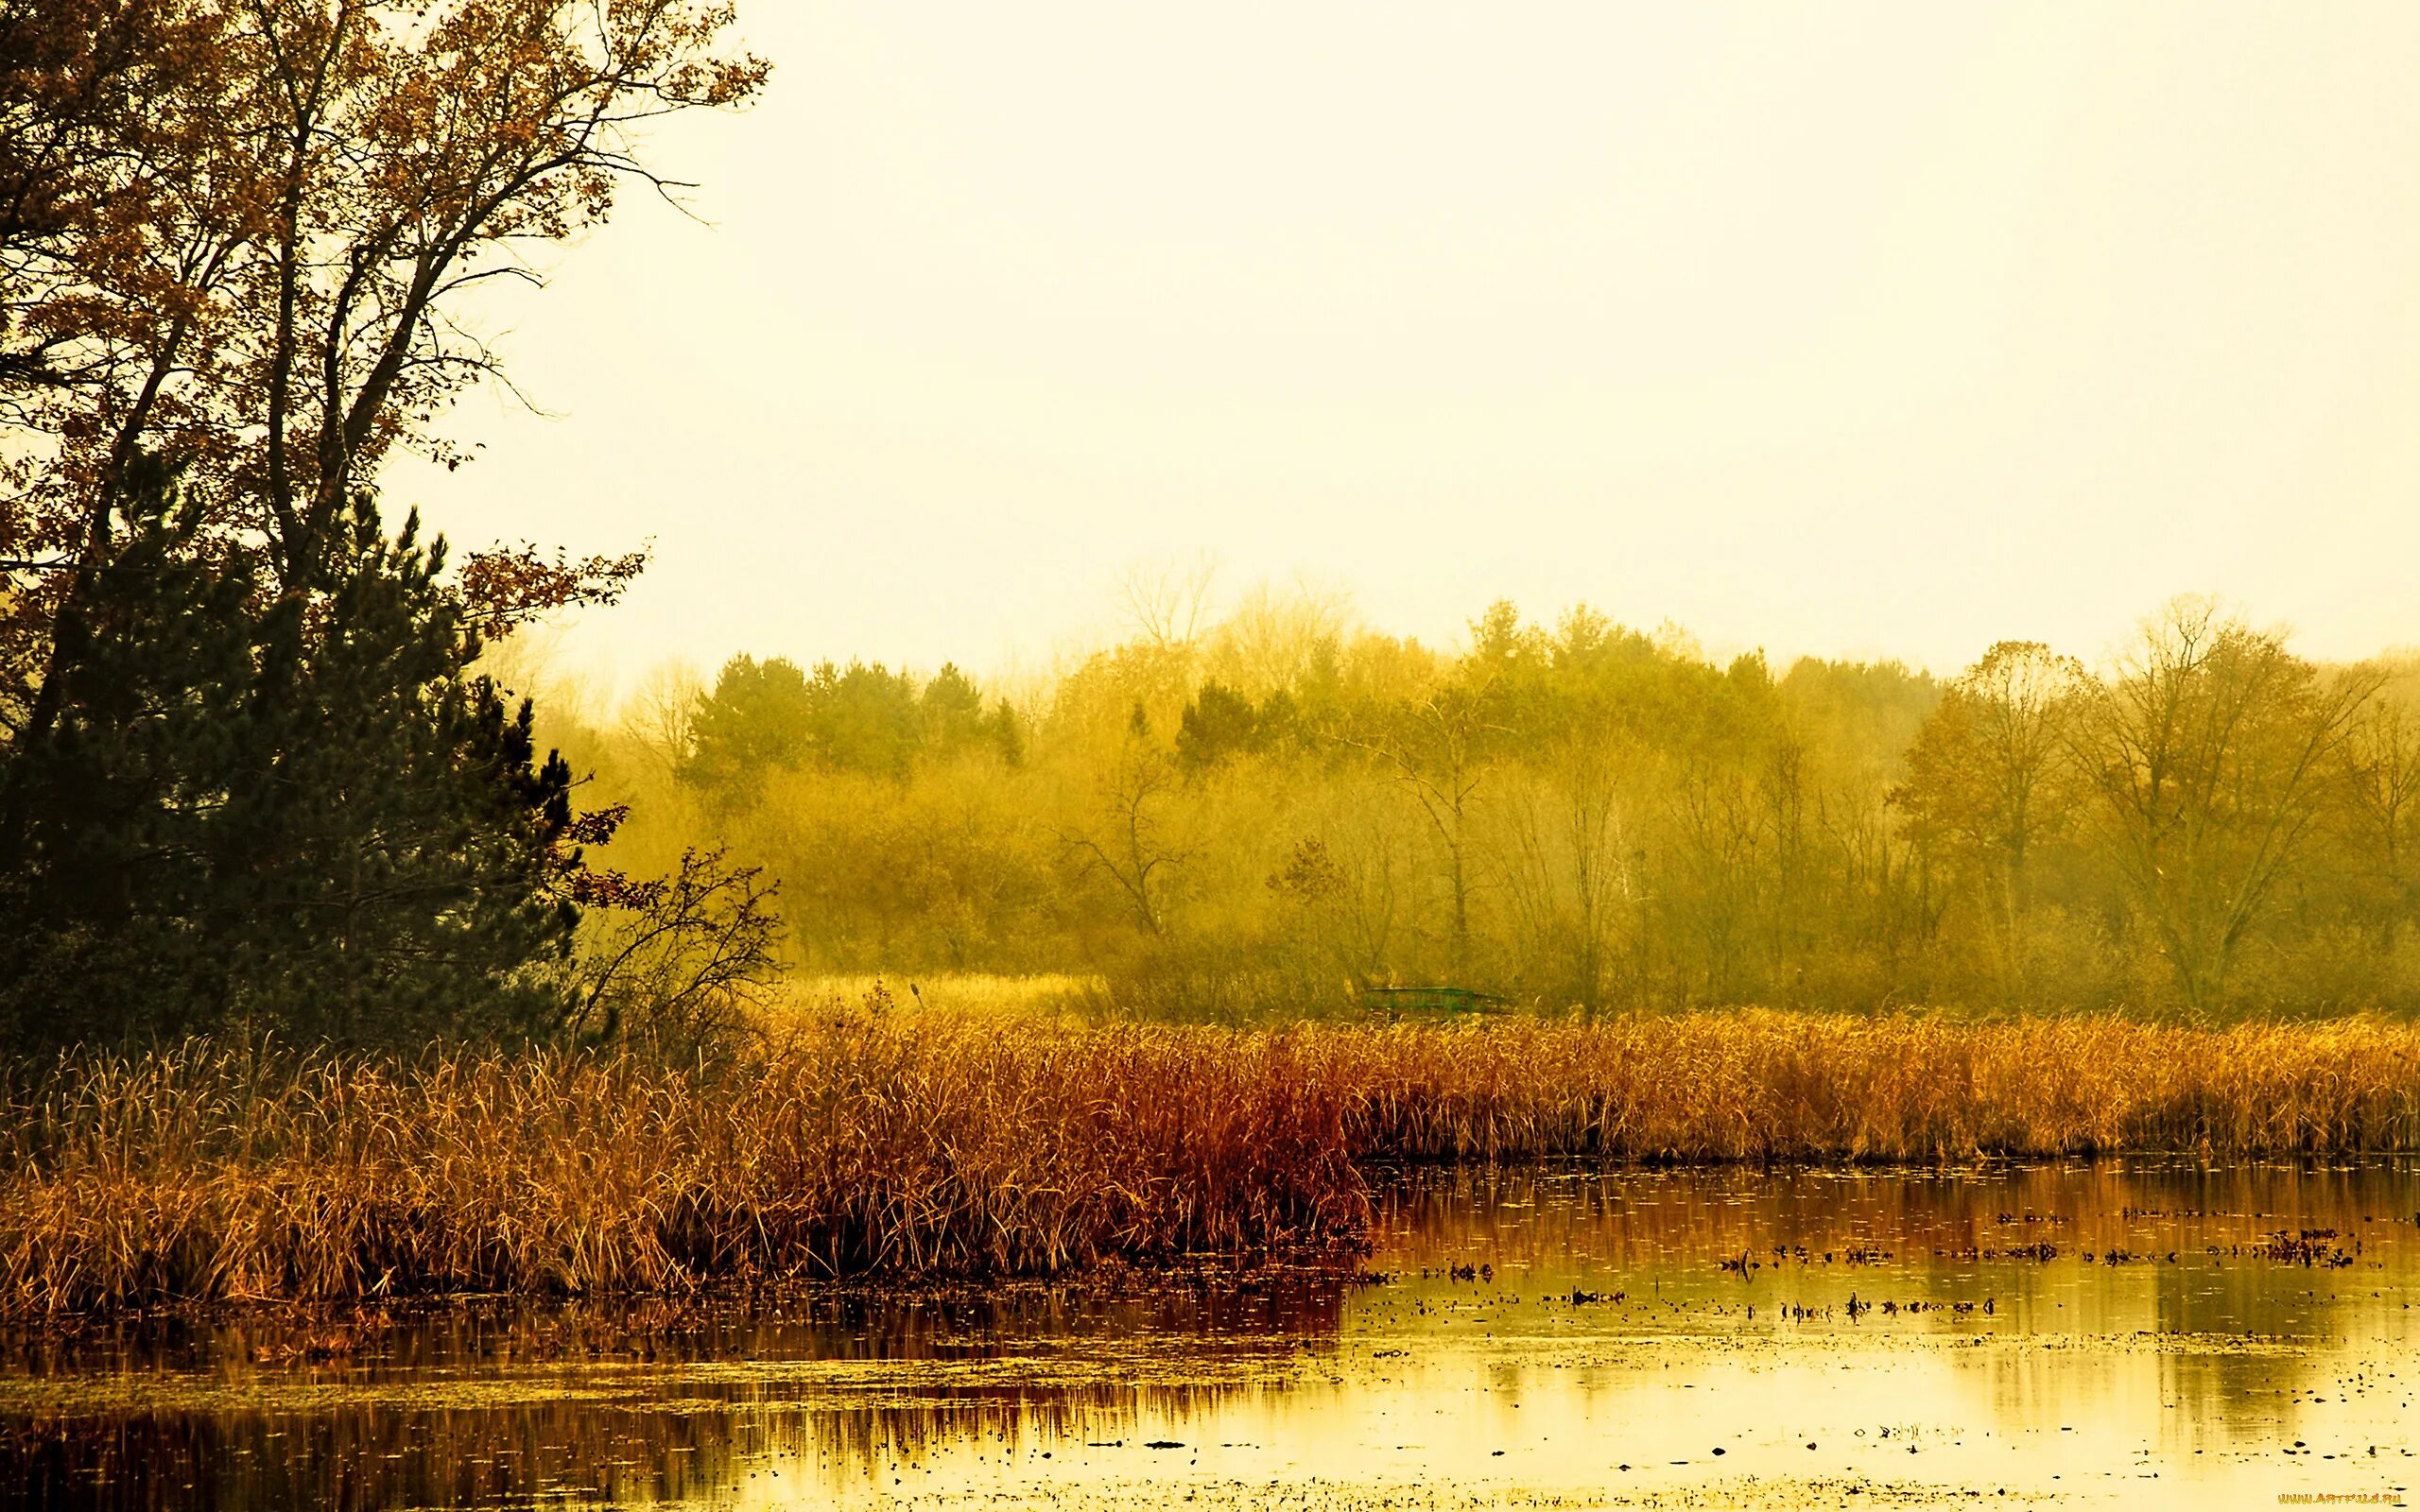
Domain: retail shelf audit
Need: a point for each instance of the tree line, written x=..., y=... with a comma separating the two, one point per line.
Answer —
x=1283, y=811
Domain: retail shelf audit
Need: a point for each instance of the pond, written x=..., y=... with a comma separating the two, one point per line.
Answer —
x=2151, y=1333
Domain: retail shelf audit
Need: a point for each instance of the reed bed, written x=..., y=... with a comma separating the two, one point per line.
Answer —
x=881, y=1145
x=888, y=1142
x=1795, y=1087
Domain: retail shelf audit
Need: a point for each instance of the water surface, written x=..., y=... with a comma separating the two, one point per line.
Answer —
x=2145, y=1333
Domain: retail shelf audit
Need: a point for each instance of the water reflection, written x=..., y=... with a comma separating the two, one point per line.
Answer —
x=2142, y=1330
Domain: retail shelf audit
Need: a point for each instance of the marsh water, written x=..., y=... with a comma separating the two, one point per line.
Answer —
x=2144, y=1333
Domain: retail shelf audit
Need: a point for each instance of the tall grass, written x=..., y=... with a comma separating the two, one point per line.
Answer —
x=876, y=1143
x=1776, y=1086
x=882, y=1145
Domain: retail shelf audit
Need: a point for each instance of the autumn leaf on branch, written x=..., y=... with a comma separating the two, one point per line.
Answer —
x=242, y=242
x=508, y=586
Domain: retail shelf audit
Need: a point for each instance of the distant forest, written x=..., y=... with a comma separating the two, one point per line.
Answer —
x=1275, y=812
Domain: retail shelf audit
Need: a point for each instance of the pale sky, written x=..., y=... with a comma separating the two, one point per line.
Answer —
x=1867, y=330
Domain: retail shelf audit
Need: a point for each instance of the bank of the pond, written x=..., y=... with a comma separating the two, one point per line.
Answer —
x=870, y=1144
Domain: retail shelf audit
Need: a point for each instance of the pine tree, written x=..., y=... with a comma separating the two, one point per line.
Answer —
x=284, y=813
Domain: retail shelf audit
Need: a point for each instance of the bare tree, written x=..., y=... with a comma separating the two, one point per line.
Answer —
x=677, y=959
x=1436, y=749
x=1271, y=639
x=1343, y=888
x=2207, y=747
x=1165, y=603
x=2382, y=770
x=660, y=715
x=1126, y=837
x=1990, y=777
x=1567, y=869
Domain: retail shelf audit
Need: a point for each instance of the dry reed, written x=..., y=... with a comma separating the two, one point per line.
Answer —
x=923, y=1142
x=1773, y=1086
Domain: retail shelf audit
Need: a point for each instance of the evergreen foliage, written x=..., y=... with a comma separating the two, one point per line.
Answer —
x=765, y=718
x=287, y=813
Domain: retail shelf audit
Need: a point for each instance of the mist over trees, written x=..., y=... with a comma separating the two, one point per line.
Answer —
x=1278, y=810
x=257, y=764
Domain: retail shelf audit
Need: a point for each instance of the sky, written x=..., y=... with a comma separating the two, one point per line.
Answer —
x=1882, y=330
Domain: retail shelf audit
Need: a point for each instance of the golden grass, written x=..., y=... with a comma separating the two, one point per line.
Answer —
x=1771, y=1086
x=876, y=1143
x=1040, y=994
x=886, y=1140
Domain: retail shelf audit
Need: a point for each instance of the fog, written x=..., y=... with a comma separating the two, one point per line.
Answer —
x=1280, y=809
x=1883, y=331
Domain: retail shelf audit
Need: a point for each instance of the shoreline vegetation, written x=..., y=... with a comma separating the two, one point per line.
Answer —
x=877, y=1141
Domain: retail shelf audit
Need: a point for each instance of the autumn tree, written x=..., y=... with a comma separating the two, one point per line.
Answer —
x=677, y=961
x=949, y=714
x=108, y=141
x=1271, y=641
x=1163, y=602
x=244, y=238
x=863, y=718
x=1584, y=812
x=243, y=755
x=86, y=127
x=1728, y=815
x=1342, y=900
